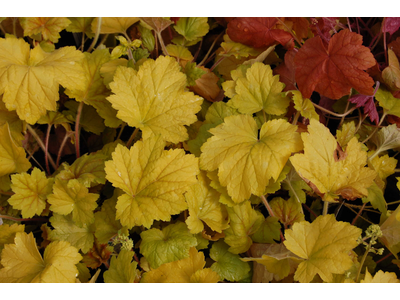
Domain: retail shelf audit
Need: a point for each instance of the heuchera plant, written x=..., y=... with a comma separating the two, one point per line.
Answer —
x=199, y=149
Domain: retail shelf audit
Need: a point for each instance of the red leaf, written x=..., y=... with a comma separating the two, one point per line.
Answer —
x=301, y=26
x=286, y=71
x=333, y=71
x=391, y=25
x=258, y=32
x=322, y=27
x=368, y=103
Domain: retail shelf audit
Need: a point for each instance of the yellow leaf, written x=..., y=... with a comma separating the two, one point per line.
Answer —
x=122, y=269
x=155, y=99
x=391, y=74
x=244, y=221
x=7, y=233
x=180, y=271
x=23, y=263
x=12, y=156
x=16, y=125
x=30, y=79
x=324, y=245
x=73, y=196
x=247, y=159
x=153, y=180
x=380, y=277
x=95, y=92
x=332, y=175
x=347, y=132
x=48, y=27
x=31, y=191
x=204, y=206
x=114, y=24
x=260, y=90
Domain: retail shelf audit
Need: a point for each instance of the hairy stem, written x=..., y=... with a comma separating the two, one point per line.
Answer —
x=333, y=113
x=310, y=210
x=64, y=142
x=325, y=209
x=362, y=262
x=209, y=50
x=164, y=49
x=375, y=130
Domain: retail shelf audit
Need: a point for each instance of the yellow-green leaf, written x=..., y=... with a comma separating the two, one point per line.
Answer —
x=90, y=119
x=114, y=24
x=65, y=229
x=11, y=117
x=181, y=271
x=48, y=27
x=155, y=99
x=269, y=231
x=30, y=79
x=106, y=224
x=122, y=269
x=204, y=206
x=167, y=245
x=87, y=169
x=346, y=133
x=31, y=191
x=228, y=265
x=73, y=197
x=95, y=92
x=23, y=263
x=260, y=90
x=192, y=28
x=153, y=180
x=12, y=156
x=333, y=175
x=247, y=159
x=324, y=245
x=304, y=106
x=390, y=103
x=81, y=24
x=391, y=74
x=387, y=138
x=244, y=221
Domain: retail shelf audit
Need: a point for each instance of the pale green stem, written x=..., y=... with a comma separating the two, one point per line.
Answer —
x=333, y=113
x=325, y=210
x=130, y=54
x=373, y=132
x=296, y=118
x=77, y=129
x=362, y=262
x=96, y=36
x=162, y=44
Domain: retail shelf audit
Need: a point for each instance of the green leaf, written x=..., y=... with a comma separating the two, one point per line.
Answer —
x=295, y=185
x=244, y=221
x=192, y=28
x=167, y=245
x=228, y=265
x=386, y=138
x=65, y=229
x=193, y=73
x=287, y=211
x=376, y=198
x=269, y=231
x=122, y=268
x=31, y=191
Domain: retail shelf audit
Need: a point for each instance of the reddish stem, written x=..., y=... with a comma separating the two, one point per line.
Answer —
x=359, y=213
x=46, y=153
x=383, y=258
x=22, y=220
x=310, y=210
